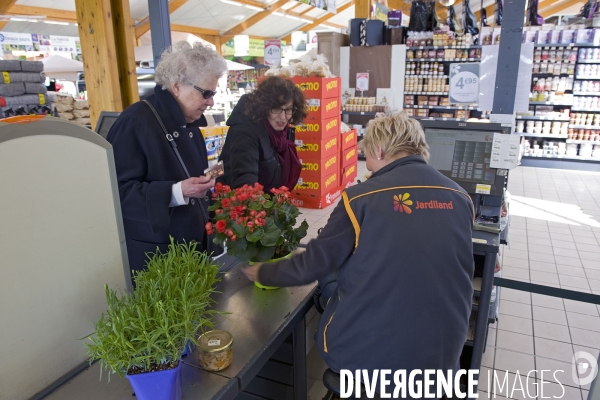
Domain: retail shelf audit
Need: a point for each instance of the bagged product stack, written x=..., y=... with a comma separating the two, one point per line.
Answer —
x=22, y=89
x=81, y=112
x=318, y=143
x=348, y=157
x=63, y=104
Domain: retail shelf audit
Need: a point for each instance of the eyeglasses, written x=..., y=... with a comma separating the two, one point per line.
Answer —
x=206, y=93
x=288, y=111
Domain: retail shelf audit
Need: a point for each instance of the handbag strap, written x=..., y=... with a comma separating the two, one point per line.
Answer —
x=169, y=137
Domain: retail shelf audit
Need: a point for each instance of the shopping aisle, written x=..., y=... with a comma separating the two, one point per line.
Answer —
x=554, y=240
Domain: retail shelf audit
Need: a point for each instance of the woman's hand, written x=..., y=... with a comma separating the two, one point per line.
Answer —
x=251, y=271
x=196, y=187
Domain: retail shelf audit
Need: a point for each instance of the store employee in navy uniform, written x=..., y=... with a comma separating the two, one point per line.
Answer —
x=400, y=246
x=158, y=199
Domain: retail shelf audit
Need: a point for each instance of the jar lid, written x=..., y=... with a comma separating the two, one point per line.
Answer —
x=212, y=341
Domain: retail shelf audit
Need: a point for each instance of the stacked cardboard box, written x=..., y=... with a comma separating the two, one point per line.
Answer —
x=214, y=137
x=349, y=158
x=318, y=143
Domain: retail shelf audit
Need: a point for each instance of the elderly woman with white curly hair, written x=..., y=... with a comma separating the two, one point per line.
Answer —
x=160, y=154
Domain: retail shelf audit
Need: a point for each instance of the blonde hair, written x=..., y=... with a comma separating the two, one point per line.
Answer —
x=394, y=134
x=189, y=64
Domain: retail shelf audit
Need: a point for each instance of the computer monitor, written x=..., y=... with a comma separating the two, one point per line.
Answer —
x=462, y=152
x=105, y=122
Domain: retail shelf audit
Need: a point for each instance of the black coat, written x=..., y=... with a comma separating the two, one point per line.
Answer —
x=147, y=167
x=248, y=156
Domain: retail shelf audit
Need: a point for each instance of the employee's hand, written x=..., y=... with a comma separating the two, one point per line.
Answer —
x=196, y=187
x=251, y=271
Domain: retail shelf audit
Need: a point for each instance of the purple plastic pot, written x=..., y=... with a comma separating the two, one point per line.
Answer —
x=159, y=385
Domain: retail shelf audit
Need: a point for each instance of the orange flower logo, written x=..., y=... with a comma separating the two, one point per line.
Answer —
x=402, y=203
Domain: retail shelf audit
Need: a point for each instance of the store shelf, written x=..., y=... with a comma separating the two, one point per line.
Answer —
x=443, y=107
x=429, y=93
x=369, y=113
x=443, y=47
x=586, y=93
x=444, y=59
x=586, y=109
x=587, y=78
x=541, y=135
x=545, y=75
x=588, y=62
x=555, y=62
x=541, y=118
x=581, y=141
x=548, y=45
x=593, y=127
x=548, y=103
x=578, y=158
x=425, y=76
x=439, y=118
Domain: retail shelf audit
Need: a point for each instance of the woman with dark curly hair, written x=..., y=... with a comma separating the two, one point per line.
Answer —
x=257, y=148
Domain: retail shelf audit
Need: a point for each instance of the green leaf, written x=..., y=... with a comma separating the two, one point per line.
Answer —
x=251, y=251
x=237, y=248
x=301, y=230
x=255, y=206
x=238, y=230
x=280, y=241
x=215, y=206
x=255, y=236
x=272, y=234
x=265, y=254
x=268, y=204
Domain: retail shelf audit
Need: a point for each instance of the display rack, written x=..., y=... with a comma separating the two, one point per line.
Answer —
x=576, y=147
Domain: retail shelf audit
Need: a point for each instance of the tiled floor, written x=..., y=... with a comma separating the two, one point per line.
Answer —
x=554, y=241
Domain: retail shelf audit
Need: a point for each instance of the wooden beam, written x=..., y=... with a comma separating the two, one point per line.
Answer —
x=106, y=68
x=489, y=11
x=557, y=7
x=49, y=13
x=144, y=25
x=400, y=5
x=327, y=16
x=287, y=39
x=122, y=27
x=362, y=9
x=4, y=6
x=244, y=25
x=194, y=30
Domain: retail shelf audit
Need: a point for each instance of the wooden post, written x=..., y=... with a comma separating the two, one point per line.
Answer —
x=108, y=60
x=362, y=9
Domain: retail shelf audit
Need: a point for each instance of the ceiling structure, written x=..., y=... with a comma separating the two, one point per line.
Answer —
x=222, y=19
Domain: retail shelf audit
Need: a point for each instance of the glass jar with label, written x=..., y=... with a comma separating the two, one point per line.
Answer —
x=215, y=350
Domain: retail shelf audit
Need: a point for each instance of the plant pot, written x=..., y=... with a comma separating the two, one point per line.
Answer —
x=159, y=385
x=188, y=349
x=258, y=285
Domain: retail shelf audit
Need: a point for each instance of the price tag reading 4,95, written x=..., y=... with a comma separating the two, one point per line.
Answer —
x=464, y=83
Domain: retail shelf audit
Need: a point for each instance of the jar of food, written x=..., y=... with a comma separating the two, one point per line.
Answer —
x=215, y=349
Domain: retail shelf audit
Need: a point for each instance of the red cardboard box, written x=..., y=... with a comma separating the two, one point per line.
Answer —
x=313, y=201
x=349, y=174
x=320, y=109
x=349, y=139
x=319, y=88
x=317, y=149
x=318, y=170
x=319, y=129
x=317, y=187
x=349, y=156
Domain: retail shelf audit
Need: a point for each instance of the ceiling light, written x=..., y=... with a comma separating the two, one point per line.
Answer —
x=232, y=2
x=278, y=14
x=289, y=5
x=305, y=20
x=292, y=17
x=254, y=7
x=239, y=17
x=56, y=23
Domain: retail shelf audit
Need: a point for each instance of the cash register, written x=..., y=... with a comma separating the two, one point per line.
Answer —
x=462, y=151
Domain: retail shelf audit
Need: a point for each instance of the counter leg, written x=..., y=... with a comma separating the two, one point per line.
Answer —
x=299, y=349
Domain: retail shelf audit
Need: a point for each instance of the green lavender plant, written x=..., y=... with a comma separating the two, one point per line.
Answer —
x=146, y=330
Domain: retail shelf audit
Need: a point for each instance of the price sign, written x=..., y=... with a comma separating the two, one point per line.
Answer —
x=362, y=81
x=272, y=52
x=464, y=83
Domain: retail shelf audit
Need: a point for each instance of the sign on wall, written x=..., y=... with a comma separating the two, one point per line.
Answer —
x=362, y=81
x=464, y=83
x=272, y=52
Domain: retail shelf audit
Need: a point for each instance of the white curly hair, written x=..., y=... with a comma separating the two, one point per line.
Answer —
x=189, y=64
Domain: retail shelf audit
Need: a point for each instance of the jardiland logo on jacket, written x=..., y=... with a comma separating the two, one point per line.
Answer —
x=403, y=203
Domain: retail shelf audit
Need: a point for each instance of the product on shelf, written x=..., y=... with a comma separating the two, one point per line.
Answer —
x=586, y=86
x=425, y=68
x=582, y=119
x=587, y=71
x=589, y=54
x=439, y=37
x=585, y=102
x=306, y=67
x=552, y=90
x=533, y=34
x=364, y=104
x=433, y=84
x=443, y=54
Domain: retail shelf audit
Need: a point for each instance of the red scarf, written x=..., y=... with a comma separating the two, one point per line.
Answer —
x=288, y=158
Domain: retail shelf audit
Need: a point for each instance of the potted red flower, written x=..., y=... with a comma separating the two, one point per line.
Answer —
x=255, y=226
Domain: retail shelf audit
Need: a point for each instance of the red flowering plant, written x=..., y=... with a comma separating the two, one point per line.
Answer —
x=254, y=225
